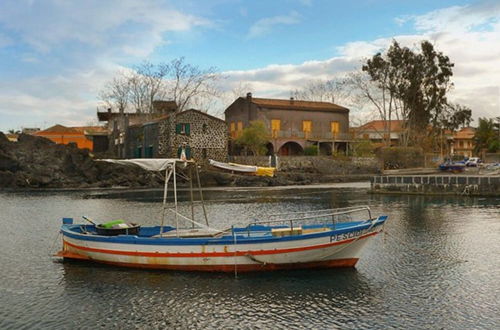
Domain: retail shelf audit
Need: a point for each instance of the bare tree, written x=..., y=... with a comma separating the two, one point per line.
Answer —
x=179, y=81
x=378, y=96
x=333, y=90
x=116, y=93
x=153, y=81
x=188, y=83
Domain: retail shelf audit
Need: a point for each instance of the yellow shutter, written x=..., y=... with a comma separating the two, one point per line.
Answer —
x=239, y=128
x=275, y=127
x=306, y=126
x=232, y=129
x=335, y=128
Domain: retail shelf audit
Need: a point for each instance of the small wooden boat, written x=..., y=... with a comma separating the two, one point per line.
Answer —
x=311, y=239
x=244, y=169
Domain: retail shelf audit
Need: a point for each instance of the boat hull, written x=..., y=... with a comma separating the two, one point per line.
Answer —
x=321, y=250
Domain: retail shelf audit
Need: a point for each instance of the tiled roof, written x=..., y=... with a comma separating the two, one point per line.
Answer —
x=465, y=133
x=58, y=129
x=298, y=105
x=378, y=126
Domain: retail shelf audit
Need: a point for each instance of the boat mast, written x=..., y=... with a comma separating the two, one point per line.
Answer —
x=175, y=201
x=168, y=173
x=201, y=194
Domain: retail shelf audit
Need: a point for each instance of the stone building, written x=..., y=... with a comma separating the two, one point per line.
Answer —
x=204, y=136
x=293, y=124
x=118, y=123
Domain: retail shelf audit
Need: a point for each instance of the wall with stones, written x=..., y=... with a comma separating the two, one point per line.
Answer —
x=208, y=136
x=315, y=164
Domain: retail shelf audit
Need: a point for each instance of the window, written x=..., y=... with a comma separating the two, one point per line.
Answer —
x=306, y=127
x=335, y=128
x=240, y=128
x=183, y=129
x=275, y=127
x=204, y=128
x=232, y=129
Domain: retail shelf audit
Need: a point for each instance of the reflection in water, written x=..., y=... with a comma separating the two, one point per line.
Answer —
x=435, y=268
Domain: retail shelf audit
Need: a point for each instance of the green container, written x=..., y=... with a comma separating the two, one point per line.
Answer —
x=111, y=223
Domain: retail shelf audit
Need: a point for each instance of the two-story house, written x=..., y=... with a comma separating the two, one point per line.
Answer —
x=201, y=135
x=293, y=124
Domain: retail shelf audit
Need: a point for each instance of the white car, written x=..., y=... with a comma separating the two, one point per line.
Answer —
x=473, y=162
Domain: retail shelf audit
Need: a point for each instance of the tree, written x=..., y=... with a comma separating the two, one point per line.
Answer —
x=333, y=90
x=177, y=80
x=254, y=137
x=413, y=85
x=486, y=137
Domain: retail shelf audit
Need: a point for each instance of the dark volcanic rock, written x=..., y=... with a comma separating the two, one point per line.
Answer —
x=35, y=162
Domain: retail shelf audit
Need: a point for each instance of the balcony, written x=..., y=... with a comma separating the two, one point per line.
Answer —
x=294, y=134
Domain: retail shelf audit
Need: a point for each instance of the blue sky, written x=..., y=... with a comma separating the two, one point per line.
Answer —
x=56, y=55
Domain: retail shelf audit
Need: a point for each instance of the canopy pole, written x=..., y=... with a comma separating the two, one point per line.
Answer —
x=175, y=201
x=165, y=189
x=191, y=193
x=201, y=194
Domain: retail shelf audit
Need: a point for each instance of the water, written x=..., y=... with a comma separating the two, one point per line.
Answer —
x=438, y=266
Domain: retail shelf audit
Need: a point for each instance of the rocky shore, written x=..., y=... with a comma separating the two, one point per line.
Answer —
x=38, y=163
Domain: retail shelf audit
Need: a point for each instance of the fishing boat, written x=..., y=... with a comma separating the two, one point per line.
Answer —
x=305, y=239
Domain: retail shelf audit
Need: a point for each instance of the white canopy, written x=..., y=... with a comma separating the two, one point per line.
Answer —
x=150, y=164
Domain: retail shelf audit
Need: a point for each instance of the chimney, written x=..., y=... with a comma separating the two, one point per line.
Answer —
x=249, y=97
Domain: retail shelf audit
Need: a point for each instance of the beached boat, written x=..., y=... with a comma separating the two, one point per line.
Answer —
x=309, y=239
x=243, y=169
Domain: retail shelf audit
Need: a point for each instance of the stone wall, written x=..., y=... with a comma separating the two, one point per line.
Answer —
x=315, y=164
x=437, y=184
x=208, y=136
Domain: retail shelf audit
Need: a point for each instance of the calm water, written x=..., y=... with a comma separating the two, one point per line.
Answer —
x=438, y=266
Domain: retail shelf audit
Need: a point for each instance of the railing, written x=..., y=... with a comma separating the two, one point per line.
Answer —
x=311, y=135
x=332, y=216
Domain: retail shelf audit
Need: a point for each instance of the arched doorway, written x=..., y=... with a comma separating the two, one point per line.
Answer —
x=291, y=149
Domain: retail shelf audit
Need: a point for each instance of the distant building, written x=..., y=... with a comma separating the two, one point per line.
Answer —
x=203, y=136
x=463, y=142
x=375, y=132
x=29, y=130
x=117, y=123
x=83, y=137
x=293, y=124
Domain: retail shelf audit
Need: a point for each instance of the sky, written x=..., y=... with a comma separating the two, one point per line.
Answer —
x=56, y=55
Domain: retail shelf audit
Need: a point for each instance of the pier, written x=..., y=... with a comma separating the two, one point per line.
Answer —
x=469, y=185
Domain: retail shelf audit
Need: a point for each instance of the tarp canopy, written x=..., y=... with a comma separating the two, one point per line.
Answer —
x=150, y=164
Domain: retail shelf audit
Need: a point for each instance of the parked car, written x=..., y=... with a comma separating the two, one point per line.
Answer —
x=473, y=162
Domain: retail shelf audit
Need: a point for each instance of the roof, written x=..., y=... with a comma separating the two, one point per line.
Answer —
x=292, y=104
x=466, y=133
x=58, y=129
x=378, y=126
x=202, y=113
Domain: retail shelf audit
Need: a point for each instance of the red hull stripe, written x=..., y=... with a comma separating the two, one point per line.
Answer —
x=214, y=254
x=350, y=262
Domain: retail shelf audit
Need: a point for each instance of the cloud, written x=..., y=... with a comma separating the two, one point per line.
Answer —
x=44, y=25
x=265, y=25
x=469, y=35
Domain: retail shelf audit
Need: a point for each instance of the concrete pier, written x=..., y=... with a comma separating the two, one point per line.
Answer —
x=469, y=185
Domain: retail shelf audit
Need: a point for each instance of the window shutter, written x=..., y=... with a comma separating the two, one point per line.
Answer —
x=178, y=128
x=179, y=151
x=187, y=129
x=188, y=152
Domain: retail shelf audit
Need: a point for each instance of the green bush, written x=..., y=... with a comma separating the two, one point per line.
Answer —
x=401, y=157
x=311, y=151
